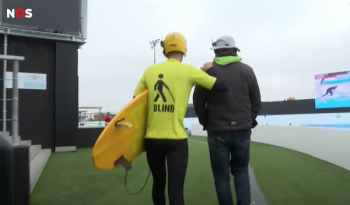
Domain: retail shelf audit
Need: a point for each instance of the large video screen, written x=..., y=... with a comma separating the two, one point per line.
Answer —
x=54, y=16
x=332, y=90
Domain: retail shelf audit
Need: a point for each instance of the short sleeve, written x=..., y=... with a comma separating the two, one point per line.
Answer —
x=141, y=86
x=202, y=79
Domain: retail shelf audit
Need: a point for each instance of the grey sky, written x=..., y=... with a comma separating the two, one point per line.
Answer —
x=286, y=42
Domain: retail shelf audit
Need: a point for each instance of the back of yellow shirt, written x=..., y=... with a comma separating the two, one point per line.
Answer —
x=169, y=85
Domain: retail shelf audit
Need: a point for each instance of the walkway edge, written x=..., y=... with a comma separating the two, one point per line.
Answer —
x=257, y=195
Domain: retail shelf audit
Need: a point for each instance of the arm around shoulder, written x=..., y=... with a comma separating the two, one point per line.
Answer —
x=209, y=80
x=219, y=84
x=141, y=86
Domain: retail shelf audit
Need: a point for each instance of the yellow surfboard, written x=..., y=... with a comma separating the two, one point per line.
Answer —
x=123, y=138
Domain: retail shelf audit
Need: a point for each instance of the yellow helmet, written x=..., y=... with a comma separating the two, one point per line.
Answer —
x=174, y=42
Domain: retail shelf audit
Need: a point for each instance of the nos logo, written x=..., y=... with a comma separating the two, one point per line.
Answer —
x=19, y=13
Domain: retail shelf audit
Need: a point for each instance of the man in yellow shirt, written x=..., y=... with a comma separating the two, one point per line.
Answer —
x=169, y=85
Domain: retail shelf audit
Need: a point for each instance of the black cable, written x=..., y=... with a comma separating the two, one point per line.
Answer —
x=126, y=187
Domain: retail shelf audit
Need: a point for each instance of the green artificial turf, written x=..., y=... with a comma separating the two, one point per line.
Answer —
x=285, y=177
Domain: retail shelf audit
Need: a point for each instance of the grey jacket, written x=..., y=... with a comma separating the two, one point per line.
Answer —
x=235, y=109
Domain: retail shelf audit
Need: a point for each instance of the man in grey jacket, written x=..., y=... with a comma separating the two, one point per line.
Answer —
x=229, y=117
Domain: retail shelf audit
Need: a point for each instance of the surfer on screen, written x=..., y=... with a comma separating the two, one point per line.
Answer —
x=169, y=86
x=322, y=80
x=330, y=91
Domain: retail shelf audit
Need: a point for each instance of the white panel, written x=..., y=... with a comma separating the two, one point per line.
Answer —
x=331, y=145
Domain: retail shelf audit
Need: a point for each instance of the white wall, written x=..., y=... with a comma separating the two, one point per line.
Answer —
x=306, y=119
x=331, y=145
x=334, y=120
x=197, y=130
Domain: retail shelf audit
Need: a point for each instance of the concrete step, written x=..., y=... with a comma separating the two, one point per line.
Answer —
x=26, y=142
x=33, y=151
x=5, y=134
x=17, y=139
x=37, y=165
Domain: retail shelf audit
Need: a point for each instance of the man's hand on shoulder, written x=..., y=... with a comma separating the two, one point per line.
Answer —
x=206, y=66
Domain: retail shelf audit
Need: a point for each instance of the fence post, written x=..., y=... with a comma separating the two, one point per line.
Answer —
x=15, y=101
x=15, y=71
x=14, y=158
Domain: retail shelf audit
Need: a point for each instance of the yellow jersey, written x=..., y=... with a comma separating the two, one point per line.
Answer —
x=169, y=86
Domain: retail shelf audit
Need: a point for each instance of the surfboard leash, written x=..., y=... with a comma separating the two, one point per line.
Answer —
x=126, y=187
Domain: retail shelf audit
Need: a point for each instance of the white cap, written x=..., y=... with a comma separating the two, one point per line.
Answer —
x=225, y=42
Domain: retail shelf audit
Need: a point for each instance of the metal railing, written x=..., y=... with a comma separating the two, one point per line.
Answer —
x=85, y=117
x=92, y=119
x=83, y=114
x=14, y=99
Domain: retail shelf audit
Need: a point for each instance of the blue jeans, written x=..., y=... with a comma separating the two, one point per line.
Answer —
x=229, y=150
